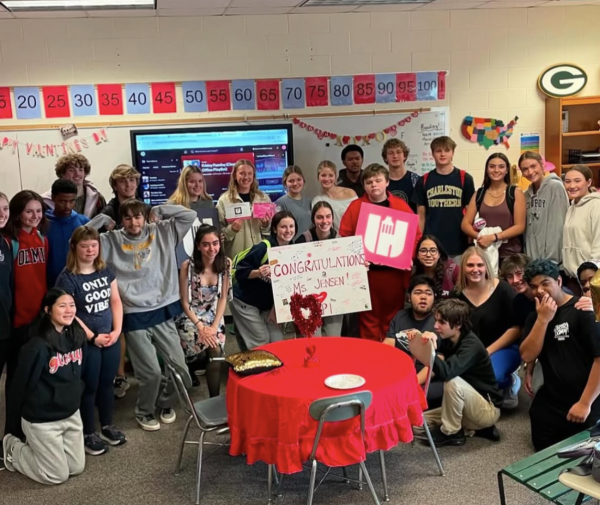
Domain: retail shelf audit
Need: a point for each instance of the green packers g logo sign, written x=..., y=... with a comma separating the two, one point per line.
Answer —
x=562, y=80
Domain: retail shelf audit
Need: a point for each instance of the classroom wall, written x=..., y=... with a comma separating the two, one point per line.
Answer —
x=493, y=56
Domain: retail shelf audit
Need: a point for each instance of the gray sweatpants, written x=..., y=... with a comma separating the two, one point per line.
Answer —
x=253, y=325
x=155, y=391
x=53, y=452
x=332, y=327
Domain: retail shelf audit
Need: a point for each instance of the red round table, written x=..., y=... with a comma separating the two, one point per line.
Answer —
x=268, y=413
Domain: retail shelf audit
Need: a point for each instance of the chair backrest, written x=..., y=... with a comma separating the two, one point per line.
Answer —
x=339, y=408
x=423, y=351
x=183, y=382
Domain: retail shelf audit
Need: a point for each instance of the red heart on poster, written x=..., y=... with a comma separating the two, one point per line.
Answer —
x=296, y=120
x=321, y=297
x=393, y=133
x=371, y=135
x=345, y=139
x=310, y=128
x=311, y=350
x=387, y=130
x=358, y=137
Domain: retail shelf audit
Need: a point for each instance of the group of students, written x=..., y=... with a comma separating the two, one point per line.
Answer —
x=108, y=281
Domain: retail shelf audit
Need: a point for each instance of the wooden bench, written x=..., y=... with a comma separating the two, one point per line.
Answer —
x=540, y=473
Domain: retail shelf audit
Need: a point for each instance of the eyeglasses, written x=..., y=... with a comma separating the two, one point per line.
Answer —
x=433, y=251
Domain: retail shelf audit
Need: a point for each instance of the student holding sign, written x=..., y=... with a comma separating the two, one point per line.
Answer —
x=252, y=304
x=241, y=234
x=387, y=285
x=77, y=168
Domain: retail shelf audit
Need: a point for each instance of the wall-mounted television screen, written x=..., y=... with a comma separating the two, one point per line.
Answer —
x=160, y=155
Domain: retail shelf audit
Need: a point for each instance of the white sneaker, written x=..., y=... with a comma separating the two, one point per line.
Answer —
x=168, y=416
x=148, y=423
x=8, y=444
x=511, y=394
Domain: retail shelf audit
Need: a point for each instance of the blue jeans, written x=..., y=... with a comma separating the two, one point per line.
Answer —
x=101, y=364
x=504, y=363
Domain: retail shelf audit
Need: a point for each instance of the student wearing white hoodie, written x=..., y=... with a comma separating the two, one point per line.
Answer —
x=581, y=237
x=547, y=203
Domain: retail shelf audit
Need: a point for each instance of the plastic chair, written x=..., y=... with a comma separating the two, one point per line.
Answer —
x=327, y=410
x=209, y=415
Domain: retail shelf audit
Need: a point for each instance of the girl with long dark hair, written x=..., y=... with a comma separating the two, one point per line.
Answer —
x=205, y=285
x=433, y=262
x=100, y=312
x=45, y=397
x=499, y=204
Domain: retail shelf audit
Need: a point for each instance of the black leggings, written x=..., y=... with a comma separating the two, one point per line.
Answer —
x=213, y=369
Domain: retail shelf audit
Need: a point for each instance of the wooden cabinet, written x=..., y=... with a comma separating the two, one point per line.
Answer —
x=583, y=132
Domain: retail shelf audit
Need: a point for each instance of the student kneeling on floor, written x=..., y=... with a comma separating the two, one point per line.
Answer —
x=471, y=396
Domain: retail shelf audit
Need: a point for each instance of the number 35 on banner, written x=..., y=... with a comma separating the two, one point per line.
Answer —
x=163, y=97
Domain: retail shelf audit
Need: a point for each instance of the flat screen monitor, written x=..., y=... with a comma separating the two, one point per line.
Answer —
x=161, y=155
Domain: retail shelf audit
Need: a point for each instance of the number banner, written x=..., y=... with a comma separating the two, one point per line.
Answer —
x=427, y=86
x=194, y=96
x=385, y=88
x=243, y=94
x=83, y=100
x=163, y=97
x=406, y=87
x=56, y=101
x=27, y=103
x=364, y=89
x=5, y=105
x=292, y=93
x=441, y=85
x=110, y=99
x=267, y=92
x=316, y=92
x=137, y=98
x=333, y=270
x=340, y=90
x=219, y=98
x=388, y=235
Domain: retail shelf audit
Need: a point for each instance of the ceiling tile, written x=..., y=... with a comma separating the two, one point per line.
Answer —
x=135, y=13
x=450, y=6
x=562, y=3
x=324, y=10
x=190, y=12
x=389, y=8
x=257, y=11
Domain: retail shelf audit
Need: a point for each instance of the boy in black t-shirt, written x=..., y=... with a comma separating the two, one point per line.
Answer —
x=402, y=181
x=567, y=343
x=441, y=197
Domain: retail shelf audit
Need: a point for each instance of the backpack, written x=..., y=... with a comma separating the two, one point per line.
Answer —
x=15, y=244
x=242, y=254
x=510, y=198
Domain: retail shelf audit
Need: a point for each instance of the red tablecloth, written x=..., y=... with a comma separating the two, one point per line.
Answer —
x=268, y=413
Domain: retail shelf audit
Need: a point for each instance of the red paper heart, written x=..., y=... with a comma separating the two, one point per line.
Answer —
x=320, y=136
x=321, y=296
x=307, y=325
x=393, y=133
x=310, y=128
x=408, y=119
x=319, y=131
x=302, y=124
x=415, y=113
x=371, y=135
x=401, y=123
x=386, y=130
x=358, y=137
x=345, y=139
x=296, y=120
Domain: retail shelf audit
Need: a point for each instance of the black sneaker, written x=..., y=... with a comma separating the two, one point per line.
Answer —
x=491, y=433
x=94, y=445
x=440, y=438
x=113, y=436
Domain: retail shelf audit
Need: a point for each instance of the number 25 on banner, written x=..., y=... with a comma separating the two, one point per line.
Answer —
x=5, y=105
x=163, y=97
x=219, y=98
x=110, y=99
x=56, y=101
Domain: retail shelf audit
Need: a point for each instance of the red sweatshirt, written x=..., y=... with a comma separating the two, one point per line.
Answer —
x=30, y=276
x=350, y=219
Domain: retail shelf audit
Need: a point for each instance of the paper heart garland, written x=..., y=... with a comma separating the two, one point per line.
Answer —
x=310, y=128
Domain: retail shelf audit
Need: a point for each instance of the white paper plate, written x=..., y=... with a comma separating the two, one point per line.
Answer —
x=345, y=381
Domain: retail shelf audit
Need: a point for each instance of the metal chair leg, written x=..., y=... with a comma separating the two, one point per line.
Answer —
x=433, y=449
x=199, y=467
x=386, y=496
x=270, y=482
x=183, y=439
x=360, y=485
x=280, y=487
x=345, y=473
x=313, y=476
x=369, y=483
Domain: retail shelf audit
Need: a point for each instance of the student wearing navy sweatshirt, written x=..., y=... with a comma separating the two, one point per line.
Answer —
x=252, y=303
x=46, y=392
x=63, y=222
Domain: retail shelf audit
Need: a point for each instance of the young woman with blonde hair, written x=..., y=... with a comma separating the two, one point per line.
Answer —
x=100, y=312
x=191, y=190
x=242, y=234
x=338, y=197
x=294, y=200
x=491, y=303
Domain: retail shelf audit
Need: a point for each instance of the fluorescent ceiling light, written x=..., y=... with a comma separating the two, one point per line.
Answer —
x=51, y=5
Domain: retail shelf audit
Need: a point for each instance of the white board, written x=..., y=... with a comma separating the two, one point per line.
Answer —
x=21, y=171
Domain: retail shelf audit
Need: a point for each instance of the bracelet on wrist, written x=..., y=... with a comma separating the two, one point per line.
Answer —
x=197, y=323
x=93, y=339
